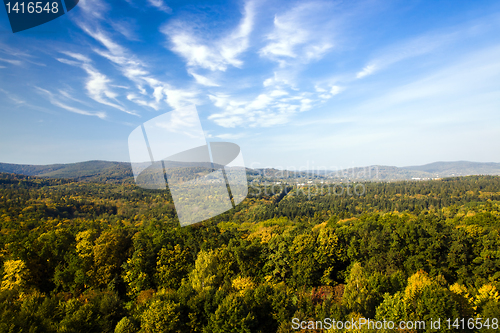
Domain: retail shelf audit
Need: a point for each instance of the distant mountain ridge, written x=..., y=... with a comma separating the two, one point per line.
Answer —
x=101, y=171
x=94, y=171
x=106, y=171
x=427, y=171
x=458, y=168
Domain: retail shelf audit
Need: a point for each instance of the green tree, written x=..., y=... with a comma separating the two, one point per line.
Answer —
x=357, y=294
x=125, y=325
x=232, y=316
x=172, y=266
x=161, y=316
x=206, y=271
x=110, y=251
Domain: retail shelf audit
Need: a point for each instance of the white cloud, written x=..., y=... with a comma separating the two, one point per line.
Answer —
x=12, y=62
x=136, y=71
x=328, y=91
x=413, y=47
x=68, y=62
x=18, y=57
x=260, y=102
x=297, y=35
x=204, y=80
x=97, y=83
x=335, y=90
x=93, y=9
x=268, y=82
x=178, y=98
x=273, y=107
x=211, y=54
x=283, y=39
x=366, y=71
x=197, y=55
x=69, y=96
x=161, y=5
x=230, y=136
x=100, y=115
x=305, y=104
x=294, y=37
x=117, y=52
x=77, y=56
x=97, y=86
x=126, y=28
x=53, y=100
x=14, y=98
x=279, y=78
x=266, y=109
x=472, y=77
x=278, y=93
x=237, y=42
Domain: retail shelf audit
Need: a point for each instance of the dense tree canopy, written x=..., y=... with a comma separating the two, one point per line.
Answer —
x=96, y=257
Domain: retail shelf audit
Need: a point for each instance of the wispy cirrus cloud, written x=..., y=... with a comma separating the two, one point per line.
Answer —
x=127, y=28
x=17, y=57
x=210, y=54
x=161, y=5
x=272, y=107
x=68, y=94
x=149, y=91
x=93, y=9
x=97, y=83
x=275, y=106
x=414, y=47
x=56, y=100
x=369, y=69
x=297, y=35
x=280, y=97
x=293, y=42
x=12, y=61
x=204, y=81
x=470, y=78
x=13, y=97
x=230, y=136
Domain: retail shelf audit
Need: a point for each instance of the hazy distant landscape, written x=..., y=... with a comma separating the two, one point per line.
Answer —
x=122, y=172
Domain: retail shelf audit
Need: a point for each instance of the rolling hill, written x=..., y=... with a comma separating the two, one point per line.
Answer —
x=119, y=172
x=99, y=171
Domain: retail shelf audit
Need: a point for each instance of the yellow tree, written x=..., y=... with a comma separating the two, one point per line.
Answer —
x=161, y=316
x=205, y=272
x=172, y=265
x=15, y=275
x=357, y=296
x=110, y=251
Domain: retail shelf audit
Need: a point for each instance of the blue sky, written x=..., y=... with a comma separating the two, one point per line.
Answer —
x=305, y=84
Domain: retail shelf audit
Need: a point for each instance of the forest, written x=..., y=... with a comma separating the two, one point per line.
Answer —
x=93, y=256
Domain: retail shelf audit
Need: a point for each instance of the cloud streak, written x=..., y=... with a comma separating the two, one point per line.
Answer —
x=414, y=47
x=97, y=83
x=161, y=5
x=12, y=62
x=204, y=80
x=55, y=101
x=150, y=91
x=297, y=35
x=270, y=108
x=214, y=55
x=369, y=69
